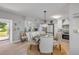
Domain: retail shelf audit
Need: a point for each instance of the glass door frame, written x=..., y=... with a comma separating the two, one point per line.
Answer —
x=10, y=28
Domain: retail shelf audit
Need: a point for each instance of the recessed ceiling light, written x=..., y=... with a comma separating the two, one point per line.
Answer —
x=56, y=16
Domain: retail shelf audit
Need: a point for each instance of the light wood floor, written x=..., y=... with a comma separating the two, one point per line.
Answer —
x=56, y=51
x=23, y=49
x=13, y=49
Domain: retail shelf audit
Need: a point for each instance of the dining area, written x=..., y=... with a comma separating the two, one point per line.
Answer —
x=43, y=42
x=45, y=45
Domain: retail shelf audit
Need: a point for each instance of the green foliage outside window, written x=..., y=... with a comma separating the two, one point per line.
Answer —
x=3, y=27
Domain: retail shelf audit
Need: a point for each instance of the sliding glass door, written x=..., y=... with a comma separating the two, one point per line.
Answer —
x=4, y=30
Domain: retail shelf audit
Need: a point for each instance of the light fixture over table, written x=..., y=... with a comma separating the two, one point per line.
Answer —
x=45, y=15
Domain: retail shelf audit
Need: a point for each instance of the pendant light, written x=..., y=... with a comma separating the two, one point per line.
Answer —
x=44, y=16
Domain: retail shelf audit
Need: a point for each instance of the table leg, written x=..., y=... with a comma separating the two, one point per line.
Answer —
x=30, y=47
x=60, y=47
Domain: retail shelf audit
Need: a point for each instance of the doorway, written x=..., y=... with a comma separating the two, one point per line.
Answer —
x=5, y=30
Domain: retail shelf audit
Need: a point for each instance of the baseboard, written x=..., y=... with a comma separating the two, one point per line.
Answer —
x=16, y=41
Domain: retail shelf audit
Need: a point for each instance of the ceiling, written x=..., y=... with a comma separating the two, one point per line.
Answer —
x=36, y=9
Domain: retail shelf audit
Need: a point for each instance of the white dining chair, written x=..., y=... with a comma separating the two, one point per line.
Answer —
x=46, y=44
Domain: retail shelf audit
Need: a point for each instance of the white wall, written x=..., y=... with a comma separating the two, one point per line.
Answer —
x=19, y=20
x=34, y=22
x=74, y=26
